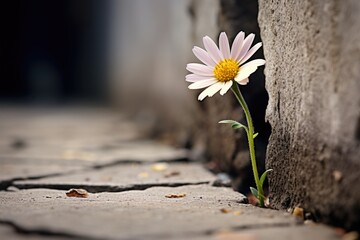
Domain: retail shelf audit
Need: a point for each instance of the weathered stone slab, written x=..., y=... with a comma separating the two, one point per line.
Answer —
x=16, y=169
x=111, y=153
x=136, y=214
x=125, y=177
x=309, y=232
x=10, y=233
x=298, y=232
x=64, y=125
x=312, y=52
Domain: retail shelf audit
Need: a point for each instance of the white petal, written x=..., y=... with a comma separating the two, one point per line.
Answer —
x=202, y=84
x=237, y=44
x=251, y=52
x=245, y=47
x=244, y=81
x=226, y=87
x=200, y=69
x=203, y=56
x=212, y=49
x=255, y=62
x=194, y=78
x=248, y=68
x=210, y=91
x=224, y=45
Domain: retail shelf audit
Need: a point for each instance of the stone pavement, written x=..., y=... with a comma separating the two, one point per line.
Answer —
x=136, y=188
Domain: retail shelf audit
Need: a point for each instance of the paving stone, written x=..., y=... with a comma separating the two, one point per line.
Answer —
x=298, y=232
x=9, y=233
x=309, y=232
x=64, y=125
x=125, y=177
x=136, y=151
x=136, y=214
x=16, y=169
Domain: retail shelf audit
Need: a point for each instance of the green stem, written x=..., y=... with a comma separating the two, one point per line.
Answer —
x=250, y=135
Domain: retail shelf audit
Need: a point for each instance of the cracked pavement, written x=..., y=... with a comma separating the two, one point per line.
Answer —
x=138, y=188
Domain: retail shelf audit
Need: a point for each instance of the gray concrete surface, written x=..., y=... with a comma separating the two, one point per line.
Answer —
x=147, y=197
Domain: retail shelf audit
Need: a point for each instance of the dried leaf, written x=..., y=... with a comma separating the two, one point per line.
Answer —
x=298, y=212
x=225, y=210
x=172, y=174
x=80, y=193
x=181, y=195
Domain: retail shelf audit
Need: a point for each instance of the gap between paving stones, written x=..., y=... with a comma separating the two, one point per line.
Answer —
x=4, y=184
x=104, y=188
x=94, y=186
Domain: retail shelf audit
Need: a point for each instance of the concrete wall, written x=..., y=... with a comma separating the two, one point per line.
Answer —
x=312, y=49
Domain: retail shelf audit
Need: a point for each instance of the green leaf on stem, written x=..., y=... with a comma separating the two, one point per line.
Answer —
x=263, y=177
x=234, y=124
x=254, y=192
x=255, y=135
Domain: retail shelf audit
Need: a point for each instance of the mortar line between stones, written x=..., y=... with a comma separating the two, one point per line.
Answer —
x=105, y=188
x=9, y=182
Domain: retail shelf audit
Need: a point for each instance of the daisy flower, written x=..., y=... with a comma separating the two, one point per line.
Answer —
x=223, y=65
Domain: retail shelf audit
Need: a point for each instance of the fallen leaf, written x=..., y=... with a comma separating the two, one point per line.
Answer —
x=181, y=195
x=298, y=212
x=225, y=210
x=80, y=193
x=252, y=200
x=159, y=167
x=171, y=174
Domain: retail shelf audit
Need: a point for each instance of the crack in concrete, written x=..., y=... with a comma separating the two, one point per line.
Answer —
x=4, y=184
x=105, y=188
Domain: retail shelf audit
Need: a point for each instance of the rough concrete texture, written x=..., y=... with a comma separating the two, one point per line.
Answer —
x=312, y=49
x=226, y=147
x=102, y=154
x=125, y=177
x=16, y=169
x=136, y=214
x=142, y=210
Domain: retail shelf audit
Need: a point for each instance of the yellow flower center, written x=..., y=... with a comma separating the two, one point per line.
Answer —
x=226, y=70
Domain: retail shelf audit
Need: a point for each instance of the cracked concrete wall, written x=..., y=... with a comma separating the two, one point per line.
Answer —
x=312, y=49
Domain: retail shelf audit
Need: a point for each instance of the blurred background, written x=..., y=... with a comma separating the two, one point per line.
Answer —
x=131, y=55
